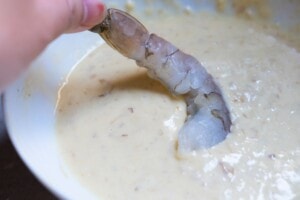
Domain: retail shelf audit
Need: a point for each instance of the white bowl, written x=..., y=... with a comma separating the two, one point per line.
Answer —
x=29, y=103
x=30, y=112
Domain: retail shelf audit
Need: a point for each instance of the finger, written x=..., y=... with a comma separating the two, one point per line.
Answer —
x=92, y=13
x=29, y=26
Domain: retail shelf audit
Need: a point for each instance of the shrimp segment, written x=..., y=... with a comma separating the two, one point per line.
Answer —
x=208, y=121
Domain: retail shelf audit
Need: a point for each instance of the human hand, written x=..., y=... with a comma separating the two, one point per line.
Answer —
x=27, y=27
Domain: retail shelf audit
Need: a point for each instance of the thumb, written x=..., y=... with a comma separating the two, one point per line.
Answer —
x=70, y=15
x=29, y=26
x=84, y=14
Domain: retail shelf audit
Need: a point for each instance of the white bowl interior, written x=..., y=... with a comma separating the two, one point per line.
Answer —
x=30, y=112
x=30, y=102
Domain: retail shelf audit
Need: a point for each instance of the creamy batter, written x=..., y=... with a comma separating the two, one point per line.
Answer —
x=117, y=128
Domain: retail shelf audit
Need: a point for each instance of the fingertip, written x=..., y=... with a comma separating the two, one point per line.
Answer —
x=101, y=7
x=94, y=12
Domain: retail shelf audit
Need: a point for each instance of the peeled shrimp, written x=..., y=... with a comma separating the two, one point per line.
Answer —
x=208, y=121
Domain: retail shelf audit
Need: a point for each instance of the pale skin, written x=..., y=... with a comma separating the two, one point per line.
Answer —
x=27, y=27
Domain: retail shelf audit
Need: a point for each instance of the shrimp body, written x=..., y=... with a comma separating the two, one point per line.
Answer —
x=208, y=121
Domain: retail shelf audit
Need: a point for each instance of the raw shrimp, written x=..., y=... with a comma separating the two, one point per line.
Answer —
x=208, y=121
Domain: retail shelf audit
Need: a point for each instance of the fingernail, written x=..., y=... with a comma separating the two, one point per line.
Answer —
x=94, y=12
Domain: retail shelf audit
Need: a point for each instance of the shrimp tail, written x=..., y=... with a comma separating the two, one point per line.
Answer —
x=208, y=121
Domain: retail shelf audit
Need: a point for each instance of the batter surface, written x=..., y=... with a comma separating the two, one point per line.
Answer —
x=117, y=128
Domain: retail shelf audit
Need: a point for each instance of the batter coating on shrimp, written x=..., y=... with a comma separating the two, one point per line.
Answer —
x=208, y=121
